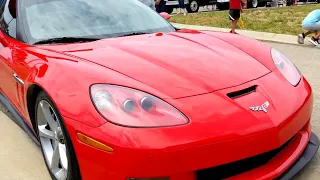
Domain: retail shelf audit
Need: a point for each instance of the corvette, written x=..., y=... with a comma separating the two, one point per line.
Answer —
x=114, y=91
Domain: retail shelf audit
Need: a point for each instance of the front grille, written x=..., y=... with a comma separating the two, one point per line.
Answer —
x=238, y=167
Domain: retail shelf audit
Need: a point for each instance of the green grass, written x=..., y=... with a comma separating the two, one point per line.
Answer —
x=282, y=20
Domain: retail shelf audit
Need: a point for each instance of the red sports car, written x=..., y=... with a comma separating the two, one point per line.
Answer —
x=112, y=91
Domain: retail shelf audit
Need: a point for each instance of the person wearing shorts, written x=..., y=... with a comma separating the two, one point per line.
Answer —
x=235, y=8
x=311, y=23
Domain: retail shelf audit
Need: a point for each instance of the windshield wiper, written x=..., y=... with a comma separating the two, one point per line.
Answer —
x=66, y=40
x=133, y=34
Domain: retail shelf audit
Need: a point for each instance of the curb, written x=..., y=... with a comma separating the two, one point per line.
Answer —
x=261, y=36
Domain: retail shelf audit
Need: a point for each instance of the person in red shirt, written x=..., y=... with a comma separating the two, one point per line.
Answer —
x=235, y=9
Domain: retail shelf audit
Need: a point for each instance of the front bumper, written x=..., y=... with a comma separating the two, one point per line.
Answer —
x=304, y=159
x=283, y=163
x=287, y=162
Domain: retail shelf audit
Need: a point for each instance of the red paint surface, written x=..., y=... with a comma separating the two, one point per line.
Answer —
x=193, y=71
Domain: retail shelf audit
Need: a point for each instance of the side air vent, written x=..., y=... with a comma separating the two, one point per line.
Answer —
x=242, y=92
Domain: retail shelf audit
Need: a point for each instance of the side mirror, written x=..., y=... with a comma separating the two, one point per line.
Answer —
x=165, y=15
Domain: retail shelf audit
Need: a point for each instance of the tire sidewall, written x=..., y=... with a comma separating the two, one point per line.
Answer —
x=188, y=7
x=73, y=169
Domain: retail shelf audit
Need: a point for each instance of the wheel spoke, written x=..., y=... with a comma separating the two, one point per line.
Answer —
x=44, y=109
x=61, y=174
x=63, y=156
x=55, y=157
x=51, y=137
x=45, y=133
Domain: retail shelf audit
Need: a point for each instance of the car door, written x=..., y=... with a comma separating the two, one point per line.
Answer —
x=7, y=84
x=10, y=82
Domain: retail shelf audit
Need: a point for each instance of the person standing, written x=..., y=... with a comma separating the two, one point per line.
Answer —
x=161, y=5
x=235, y=9
x=182, y=7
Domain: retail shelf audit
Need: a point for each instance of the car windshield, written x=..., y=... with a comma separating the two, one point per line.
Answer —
x=96, y=19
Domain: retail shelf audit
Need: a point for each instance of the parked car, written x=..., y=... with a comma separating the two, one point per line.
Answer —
x=257, y=3
x=194, y=5
x=306, y=1
x=113, y=91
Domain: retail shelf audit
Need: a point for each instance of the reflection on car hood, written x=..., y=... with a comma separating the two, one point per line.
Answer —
x=177, y=64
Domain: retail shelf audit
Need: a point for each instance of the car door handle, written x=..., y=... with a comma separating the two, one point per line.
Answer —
x=16, y=77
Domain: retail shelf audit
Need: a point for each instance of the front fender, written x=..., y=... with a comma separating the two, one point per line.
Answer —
x=67, y=79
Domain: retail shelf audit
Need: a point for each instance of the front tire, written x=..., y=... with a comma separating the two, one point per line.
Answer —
x=193, y=6
x=253, y=4
x=56, y=145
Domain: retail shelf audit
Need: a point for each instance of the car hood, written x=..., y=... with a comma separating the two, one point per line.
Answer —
x=178, y=64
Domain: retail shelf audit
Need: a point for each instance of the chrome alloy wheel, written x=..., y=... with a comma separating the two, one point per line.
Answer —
x=194, y=6
x=52, y=140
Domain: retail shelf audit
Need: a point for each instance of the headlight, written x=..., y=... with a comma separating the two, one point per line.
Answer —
x=130, y=107
x=288, y=69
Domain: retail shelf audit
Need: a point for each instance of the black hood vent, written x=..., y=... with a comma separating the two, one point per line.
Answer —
x=242, y=92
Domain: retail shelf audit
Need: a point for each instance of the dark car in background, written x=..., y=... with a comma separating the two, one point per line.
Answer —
x=194, y=5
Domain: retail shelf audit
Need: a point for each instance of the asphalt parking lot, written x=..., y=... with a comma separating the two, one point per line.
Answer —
x=21, y=159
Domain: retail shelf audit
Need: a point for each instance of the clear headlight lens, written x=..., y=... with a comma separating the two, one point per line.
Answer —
x=286, y=67
x=133, y=108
